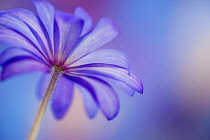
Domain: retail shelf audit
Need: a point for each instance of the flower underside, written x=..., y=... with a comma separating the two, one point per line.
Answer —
x=53, y=39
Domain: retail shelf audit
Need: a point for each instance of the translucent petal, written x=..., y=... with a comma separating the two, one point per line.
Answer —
x=118, y=86
x=43, y=84
x=46, y=12
x=15, y=23
x=11, y=53
x=114, y=72
x=62, y=94
x=67, y=33
x=20, y=65
x=62, y=97
x=104, y=32
x=81, y=13
x=10, y=37
x=104, y=93
x=106, y=56
x=90, y=104
x=37, y=28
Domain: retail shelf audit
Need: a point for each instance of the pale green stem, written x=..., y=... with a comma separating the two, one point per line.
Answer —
x=34, y=131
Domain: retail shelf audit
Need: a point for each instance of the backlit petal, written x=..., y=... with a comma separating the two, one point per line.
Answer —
x=46, y=12
x=15, y=23
x=81, y=13
x=104, y=32
x=11, y=53
x=62, y=97
x=22, y=65
x=13, y=38
x=67, y=32
x=37, y=28
x=43, y=84
x=105, y=95
x=106, y=56
x=90, y=104
x=116, y=73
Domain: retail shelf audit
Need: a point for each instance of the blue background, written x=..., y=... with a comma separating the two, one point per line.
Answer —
x=168, y=43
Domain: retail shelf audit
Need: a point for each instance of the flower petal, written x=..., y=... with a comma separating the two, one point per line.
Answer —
x=37, y=28
x=11, y=53
x=105, y=56
x=123, y=87
x=15, y=23
x=104, y=32
x=19, y=65
x=105, y=95
x=81, y=13
x=90, y=104
x=12, y=38
x=62, y=97
x=114, y=72
x=118, y=86
x=46, y=12
x=67, y=32
x=42, y=85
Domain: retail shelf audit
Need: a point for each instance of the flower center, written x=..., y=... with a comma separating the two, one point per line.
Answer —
x=58, y=68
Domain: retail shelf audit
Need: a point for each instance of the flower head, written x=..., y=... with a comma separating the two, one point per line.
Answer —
x=53, y=39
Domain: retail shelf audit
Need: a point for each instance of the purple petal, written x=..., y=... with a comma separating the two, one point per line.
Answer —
x=81, y=13
x=62, y=97
x=10, y=37
x=105, y=95
x=38, y=29
x=67, y=32
x=62, y=94
x=90, y=104
x=119, y=86
x=46, y=12
x=43, y=84
x=105, y=56
x=123, y=87
x=116, y=73
x=11, y=53
x=15, y=23
x=104, y=32
x=22, y=65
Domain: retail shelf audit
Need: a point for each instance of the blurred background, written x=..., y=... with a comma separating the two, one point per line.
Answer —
x=168, y=43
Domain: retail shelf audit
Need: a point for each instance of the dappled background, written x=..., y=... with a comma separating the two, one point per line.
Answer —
x=168, y=43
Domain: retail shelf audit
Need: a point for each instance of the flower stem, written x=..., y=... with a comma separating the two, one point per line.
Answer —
x=34, y=131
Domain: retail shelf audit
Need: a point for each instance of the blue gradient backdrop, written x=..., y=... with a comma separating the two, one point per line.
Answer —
x=168, y=43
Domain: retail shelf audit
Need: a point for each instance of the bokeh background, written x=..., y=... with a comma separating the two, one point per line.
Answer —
x=168, y=43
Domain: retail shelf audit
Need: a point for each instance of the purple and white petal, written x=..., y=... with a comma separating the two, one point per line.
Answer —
x=43, y=84
x=62, y=97
x=116, y=73
x=81, y=13
x=104, y=93
x=104, y=32
x=62, y=94
x=22, y=65
x=90, y=104
x=11, y=53
x=118, y=86
x=107, y=98
x=15, y=23
x=36, y=26
x=13, y=38
x=105, y=56
x=123, y=87
x=46, y=12
x=67, y=32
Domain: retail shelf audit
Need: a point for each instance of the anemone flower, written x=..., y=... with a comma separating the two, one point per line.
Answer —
x=64, y=47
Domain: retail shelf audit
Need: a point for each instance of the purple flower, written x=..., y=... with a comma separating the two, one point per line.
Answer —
x=53, y=39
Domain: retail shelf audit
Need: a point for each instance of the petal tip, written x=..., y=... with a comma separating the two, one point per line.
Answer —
x=114, y=26
x=109, y=118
